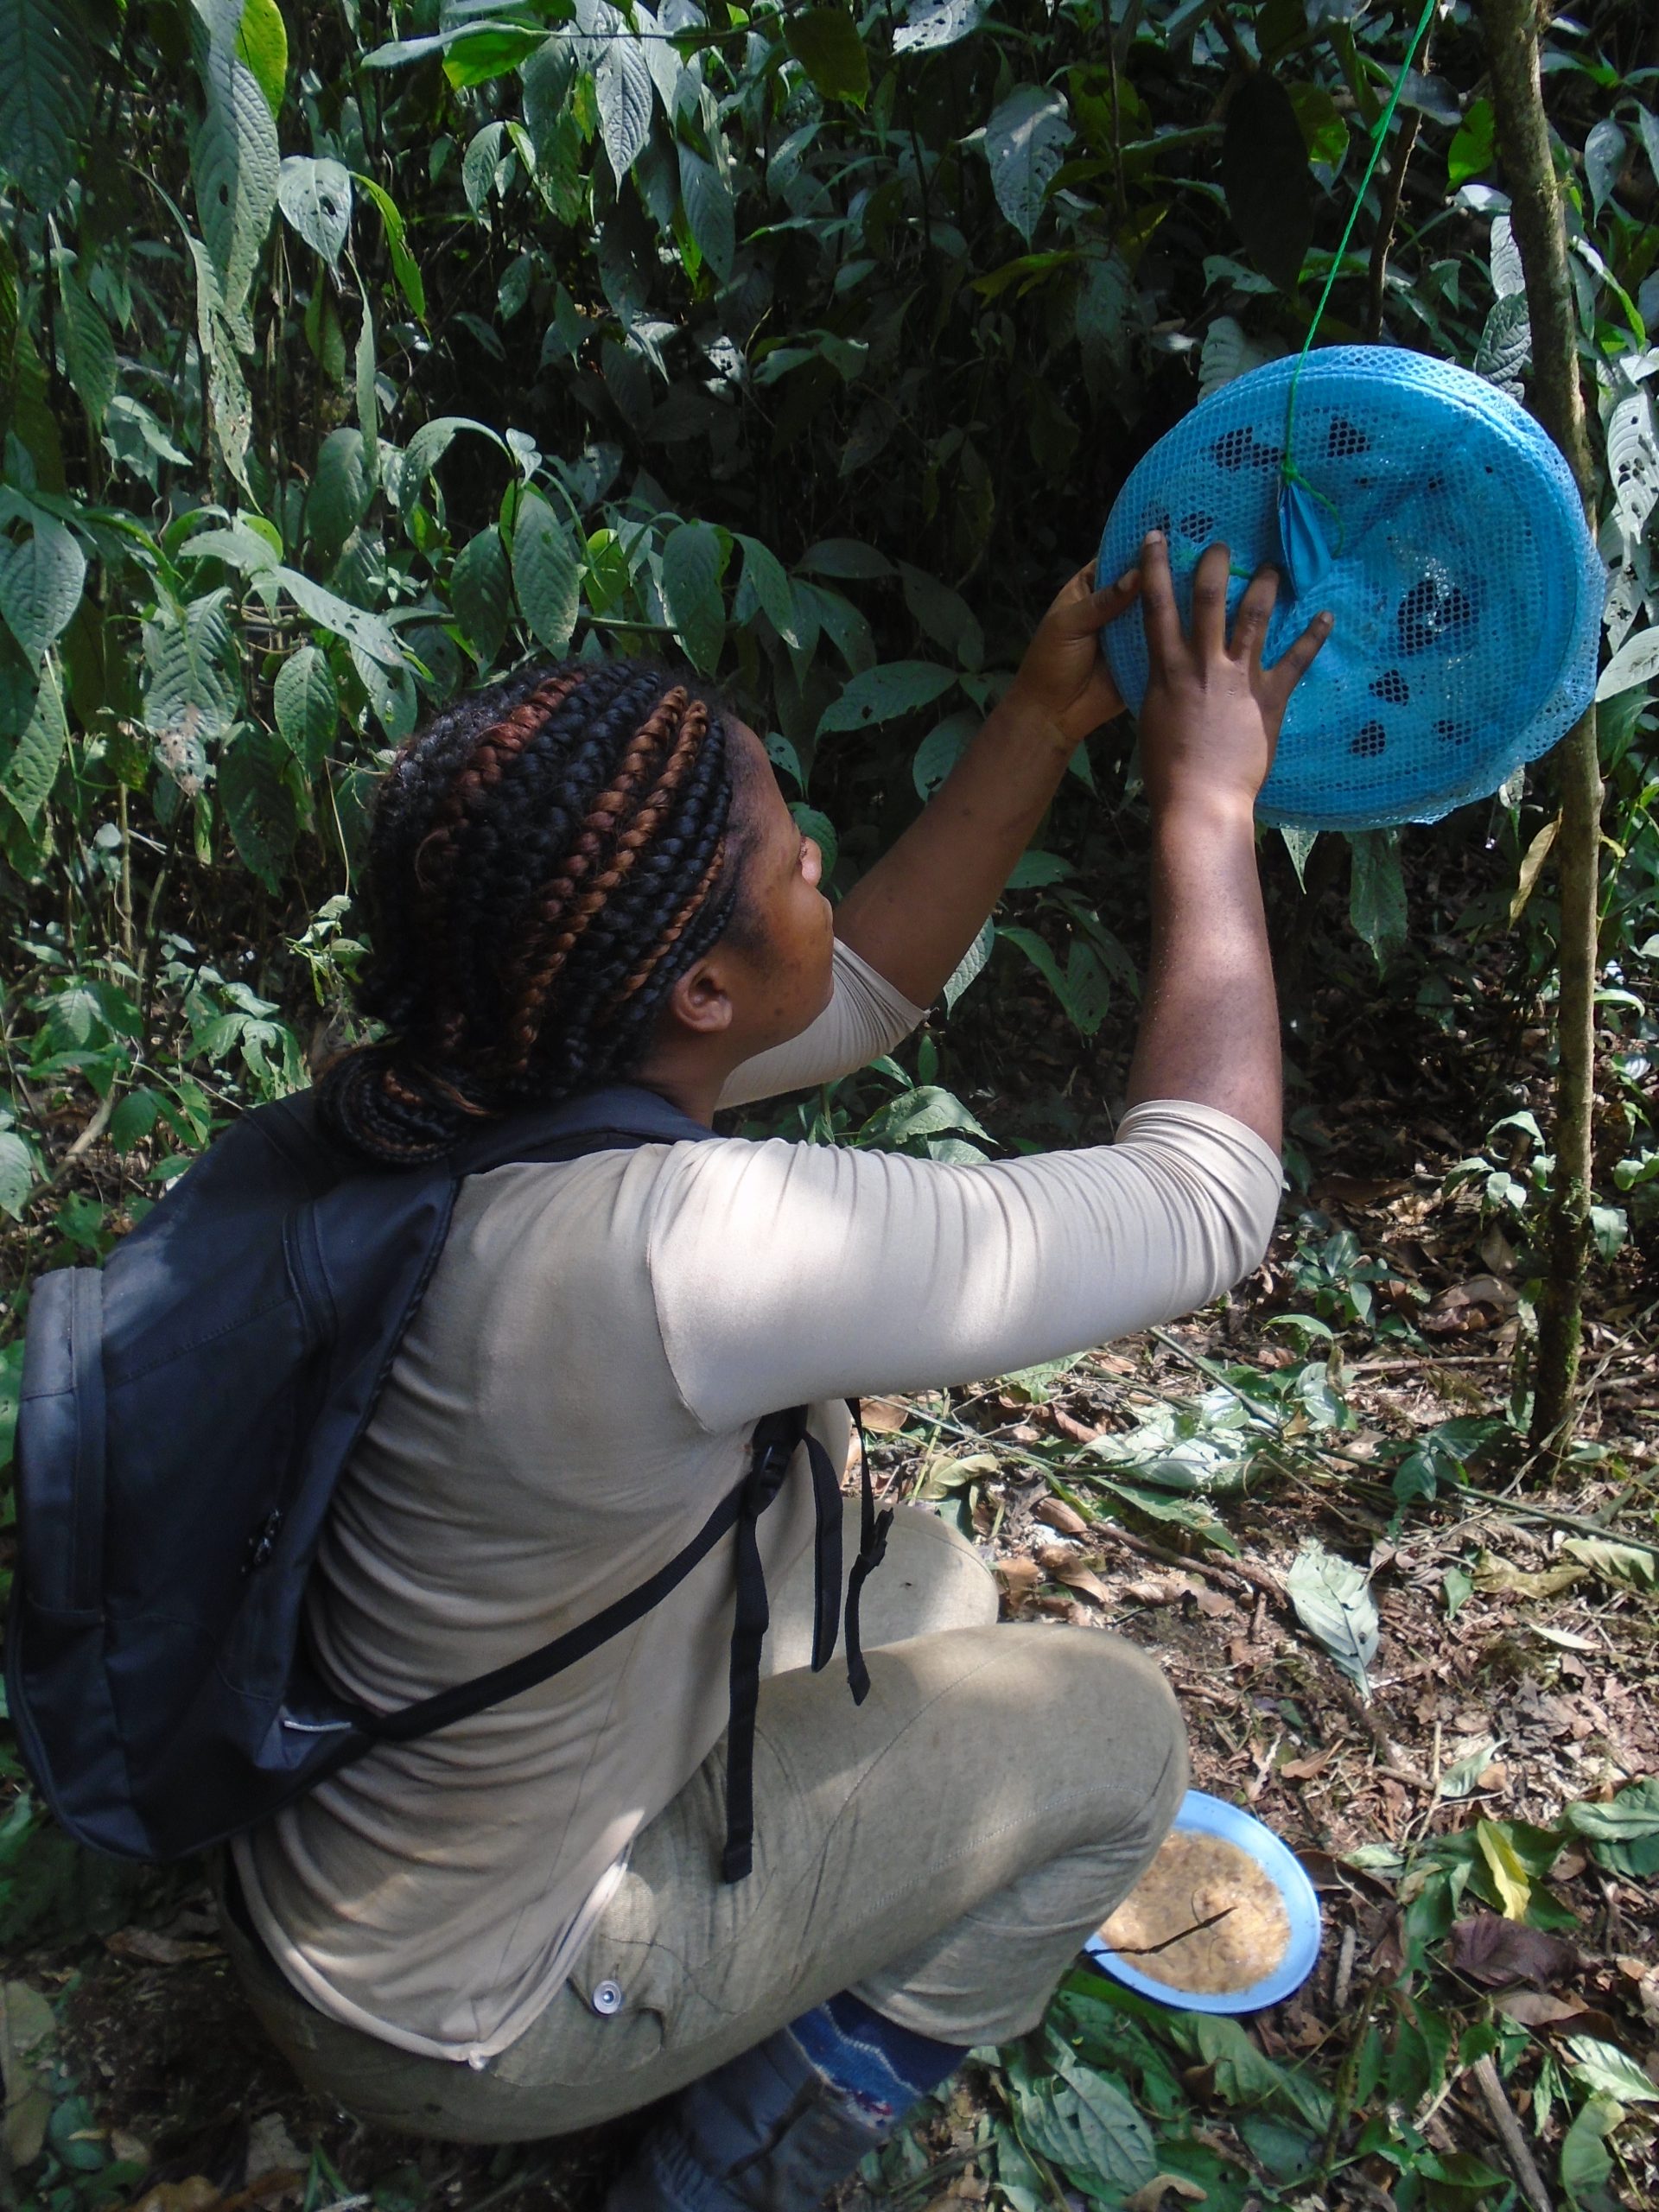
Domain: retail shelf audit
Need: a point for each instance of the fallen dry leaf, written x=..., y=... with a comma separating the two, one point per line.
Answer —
x=1019, y=1577
x=1055, y=1513
x=1494, y=1951
x=148, y=1948
x=1537, y=2008
x=1494, y=1575
x=1080, y=1432
x=194, y=2195
x=1151, y=2198
x=132, y=2149
x=1215, y=1605
x=1305, y=1770
x=1076, y=1576
x=883, y=1415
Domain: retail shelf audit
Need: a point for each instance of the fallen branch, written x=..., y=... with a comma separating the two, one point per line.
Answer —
x=1515, y=2146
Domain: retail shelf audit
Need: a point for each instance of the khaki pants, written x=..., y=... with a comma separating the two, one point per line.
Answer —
x=943, y=1850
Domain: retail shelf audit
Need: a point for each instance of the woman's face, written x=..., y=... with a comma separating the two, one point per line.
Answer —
x=785, y=932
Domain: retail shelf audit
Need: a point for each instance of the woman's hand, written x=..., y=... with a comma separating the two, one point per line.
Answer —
x=1210, y=717
x=1063, y=678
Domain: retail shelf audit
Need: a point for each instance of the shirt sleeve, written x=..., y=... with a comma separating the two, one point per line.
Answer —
x=865, y=1018
x=785, y=1273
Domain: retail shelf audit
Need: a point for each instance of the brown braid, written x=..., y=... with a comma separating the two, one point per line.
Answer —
x=547, y=857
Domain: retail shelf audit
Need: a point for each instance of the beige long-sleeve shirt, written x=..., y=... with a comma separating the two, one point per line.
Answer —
x=574, y=1394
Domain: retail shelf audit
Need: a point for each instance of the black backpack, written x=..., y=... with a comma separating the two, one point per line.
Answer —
x=185, y=1413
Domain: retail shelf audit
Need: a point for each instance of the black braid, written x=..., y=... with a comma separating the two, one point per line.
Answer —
x=526, y=936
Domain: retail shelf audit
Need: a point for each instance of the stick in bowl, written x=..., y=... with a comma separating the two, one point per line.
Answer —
x=1203, y=1918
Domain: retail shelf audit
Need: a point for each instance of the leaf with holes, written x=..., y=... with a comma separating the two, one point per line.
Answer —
x=1333, y=1602
x=46, y=95
x=33, y=768
x=306, y=706
x=827, y=44
x=1633, y=458
x=234, y=159
x=883, y=693
x=1505, y=350
x=546, y=573
x=1025, y=143
x=940, y=750
x=41, y=576
x=932, y=25
x=89, y=348
x=258, y=804
x=1265, y=175
x=316, y=199
x=1635, y=662
x=692, y=563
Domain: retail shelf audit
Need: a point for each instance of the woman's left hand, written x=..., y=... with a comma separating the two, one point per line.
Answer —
x=1064, y=677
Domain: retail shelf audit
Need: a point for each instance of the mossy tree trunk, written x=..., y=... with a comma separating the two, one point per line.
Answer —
x=1511, y=29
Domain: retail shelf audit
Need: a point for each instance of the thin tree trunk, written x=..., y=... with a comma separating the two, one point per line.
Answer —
x=1511, y=29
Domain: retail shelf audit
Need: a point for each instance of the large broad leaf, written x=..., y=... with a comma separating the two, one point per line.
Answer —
x=42, y=575
x=317, y=198
x=1376, y=895
x=234, y=159
x=1603, y=157
x=882, y=694
x=971, y=966
x=45, y=92
x=1635, y=662
x=1505, y=349
x=341, y=492
x=1265, y=175
x=262, y=41
x=1333, y=1602
x=931, y=24
x=1025, y=143
x=826, y=43
x=427, y=448
x=88, y=348
x=691, y=570
x=764, y=576
x=622, y=82
x=307, y=706
x=1586, y=2163
x=33, y=768
x=1633, y=460
x=546, y=572
x=188, y=696
x=258, y=804
x=709, y=213
x=367, y=633
x=481, y=591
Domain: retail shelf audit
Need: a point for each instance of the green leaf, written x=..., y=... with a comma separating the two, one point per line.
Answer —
x=234, y=159
x=1116, y=2138
x=1631, y=1564
x=134, y=1118
x=480, y=588
x=1324, y=132
x=826, y=43
x=940, y=750
x=1333, y=1602
x=1609, y=2072
x=405, y=267
x=848, y=559
x=1629, y=1817
x=368, y=632
x=33, y=768
x=1505, y=349
x=16, y=1173
x=1083, y=987
x=341, y=493
x=623, y=89
x=427, y=448
x=1265, y=175
x=970, y=965
x=46, y=93
x=1603, y=157
x=1025, y=143
x=316, y=200
x=691, y=570
x=546, y=573
x=883, y=693
x=710, y=214
x=1474, y=147
x=306, y=706
x=261, y=42
x=88, y=348
x=258, y=804
x=1245, y=2077
x=1376, y=895
x=365, y=369
x=1586, y=2163
x=943, y=615
x=763, y=572
x=41, y=576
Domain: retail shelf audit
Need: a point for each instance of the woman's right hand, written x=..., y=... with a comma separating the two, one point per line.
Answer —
x=1210, y=721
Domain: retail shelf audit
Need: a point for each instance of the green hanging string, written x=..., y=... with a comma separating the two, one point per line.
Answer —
x=1289, y=473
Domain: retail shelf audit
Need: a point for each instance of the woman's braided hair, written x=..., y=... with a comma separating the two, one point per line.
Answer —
x=547, y=855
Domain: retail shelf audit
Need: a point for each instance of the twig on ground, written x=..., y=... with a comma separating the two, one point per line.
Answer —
x=1516, y=2149
x=1344, y=1980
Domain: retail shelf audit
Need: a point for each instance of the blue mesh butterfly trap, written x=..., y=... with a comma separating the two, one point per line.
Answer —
x=1441, y=528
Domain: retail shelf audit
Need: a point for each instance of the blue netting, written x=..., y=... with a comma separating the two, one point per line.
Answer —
x=1442, y=529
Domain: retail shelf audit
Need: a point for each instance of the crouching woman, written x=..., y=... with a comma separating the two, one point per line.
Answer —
x=519, y=1926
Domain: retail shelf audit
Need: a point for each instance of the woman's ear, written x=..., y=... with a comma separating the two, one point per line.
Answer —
x=700, y=1003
